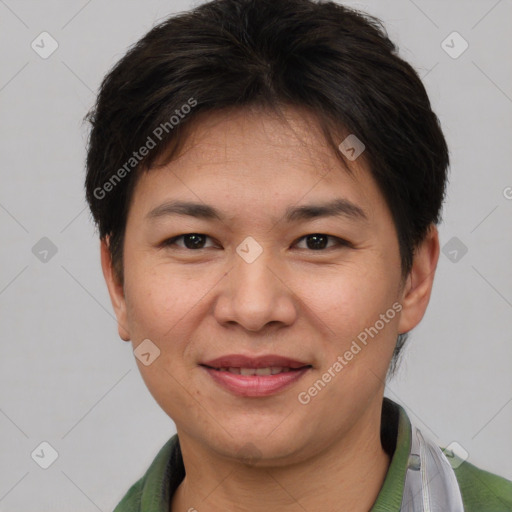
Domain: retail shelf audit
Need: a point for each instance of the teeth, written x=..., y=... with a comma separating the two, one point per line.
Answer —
x=274, y=370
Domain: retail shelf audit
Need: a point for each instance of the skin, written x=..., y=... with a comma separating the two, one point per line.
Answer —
x=268, y=453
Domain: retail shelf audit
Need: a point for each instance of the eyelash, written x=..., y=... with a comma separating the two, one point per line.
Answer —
x=340, y=242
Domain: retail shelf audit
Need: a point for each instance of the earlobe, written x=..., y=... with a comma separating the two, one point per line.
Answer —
x=418, y=287
x=115, y=290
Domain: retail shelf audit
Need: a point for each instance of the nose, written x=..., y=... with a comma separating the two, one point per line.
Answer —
x=256, y=295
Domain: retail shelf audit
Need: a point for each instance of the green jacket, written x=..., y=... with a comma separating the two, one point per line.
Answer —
x=481, y=491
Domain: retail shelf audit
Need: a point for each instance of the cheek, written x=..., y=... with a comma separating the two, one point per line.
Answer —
x=348, y=299
x=356, y=305
x=158, y=306
x=158, y=298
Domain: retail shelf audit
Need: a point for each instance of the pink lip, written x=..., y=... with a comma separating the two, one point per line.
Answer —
x=255, y=385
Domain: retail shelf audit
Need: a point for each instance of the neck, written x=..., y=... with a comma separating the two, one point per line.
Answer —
x=346, y=476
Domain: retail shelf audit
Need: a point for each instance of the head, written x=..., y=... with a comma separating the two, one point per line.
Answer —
x=252, y=109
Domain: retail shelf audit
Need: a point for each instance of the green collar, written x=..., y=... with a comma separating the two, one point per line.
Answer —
x=390, y=495
x=154, y=490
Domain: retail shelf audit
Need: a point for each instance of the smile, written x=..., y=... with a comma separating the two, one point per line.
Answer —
x=255, y=376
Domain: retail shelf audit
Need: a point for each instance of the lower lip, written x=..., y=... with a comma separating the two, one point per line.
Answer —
x=255, y=385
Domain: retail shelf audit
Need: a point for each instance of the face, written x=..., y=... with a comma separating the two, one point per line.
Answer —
x=275, y=321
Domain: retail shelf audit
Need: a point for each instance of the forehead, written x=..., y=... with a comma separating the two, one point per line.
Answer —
x=254, y=157
x=238, y=135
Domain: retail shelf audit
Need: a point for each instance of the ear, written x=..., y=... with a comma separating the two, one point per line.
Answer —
x=115, y=290
x=418, y=285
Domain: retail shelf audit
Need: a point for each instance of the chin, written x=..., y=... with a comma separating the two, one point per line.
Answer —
x=262, y=447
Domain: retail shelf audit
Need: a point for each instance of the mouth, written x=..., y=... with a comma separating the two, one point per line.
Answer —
x=268, y=370
x=255, y=376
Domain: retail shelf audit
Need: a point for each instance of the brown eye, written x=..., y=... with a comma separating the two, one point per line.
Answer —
x=319, y=241
x=191, y=241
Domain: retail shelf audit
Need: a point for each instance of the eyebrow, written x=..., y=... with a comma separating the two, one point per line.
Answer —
x=335, y=208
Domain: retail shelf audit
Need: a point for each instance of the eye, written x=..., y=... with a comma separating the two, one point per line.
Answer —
x=314, y=241
x=192, y=241
x=319, y=241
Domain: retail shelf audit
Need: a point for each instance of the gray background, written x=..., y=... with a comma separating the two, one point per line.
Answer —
x=67, y=378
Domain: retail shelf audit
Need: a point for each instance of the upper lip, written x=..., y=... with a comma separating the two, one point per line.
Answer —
x=264, y=361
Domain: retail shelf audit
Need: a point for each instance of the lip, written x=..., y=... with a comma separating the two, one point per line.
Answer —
x=255, y=385
x=241, y=361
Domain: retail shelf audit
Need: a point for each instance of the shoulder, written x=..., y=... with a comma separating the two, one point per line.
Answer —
x=131, y=500
x=482, y=490
x=152, y=490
